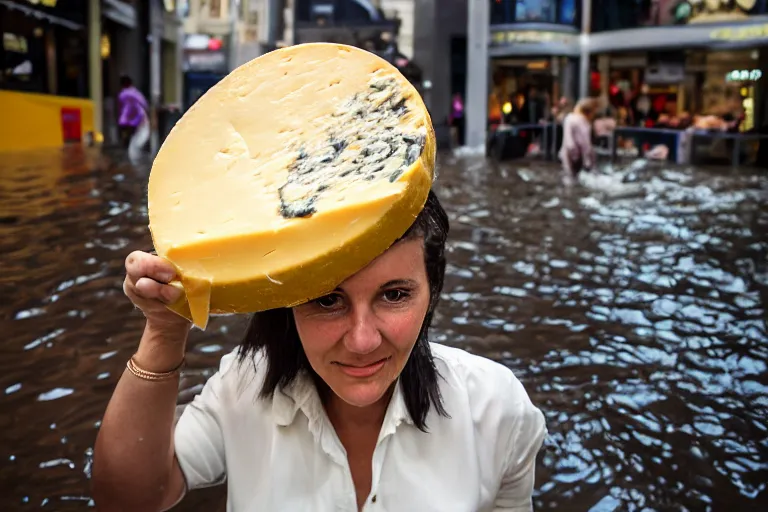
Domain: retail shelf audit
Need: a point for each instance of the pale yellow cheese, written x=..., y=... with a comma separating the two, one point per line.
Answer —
x=288, y=176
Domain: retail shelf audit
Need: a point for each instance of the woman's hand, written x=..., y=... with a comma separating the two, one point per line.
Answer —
x=146, y=284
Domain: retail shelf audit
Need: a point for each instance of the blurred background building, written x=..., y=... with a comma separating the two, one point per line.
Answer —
x=684, y=57
x=62, y=59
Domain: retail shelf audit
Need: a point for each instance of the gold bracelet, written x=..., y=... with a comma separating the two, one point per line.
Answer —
x=153, y=376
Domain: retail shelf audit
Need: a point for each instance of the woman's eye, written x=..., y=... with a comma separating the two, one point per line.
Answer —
x=329, y=301
x=395, y=295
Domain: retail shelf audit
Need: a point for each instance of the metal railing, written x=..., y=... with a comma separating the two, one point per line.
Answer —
x=683, y=146
x=512, y=141
x=645, y=139
x=736, y=148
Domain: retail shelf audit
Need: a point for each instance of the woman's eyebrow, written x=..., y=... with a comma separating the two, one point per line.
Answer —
x=407, y=283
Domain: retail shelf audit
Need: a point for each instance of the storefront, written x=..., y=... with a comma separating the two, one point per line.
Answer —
x=710, y=63
x=205, y=64
x=530, y=71
x=44, y=79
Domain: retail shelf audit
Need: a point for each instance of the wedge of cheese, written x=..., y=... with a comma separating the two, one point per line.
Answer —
x=288, y=176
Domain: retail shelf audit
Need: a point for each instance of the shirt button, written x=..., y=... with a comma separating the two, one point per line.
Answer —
x=373, y=500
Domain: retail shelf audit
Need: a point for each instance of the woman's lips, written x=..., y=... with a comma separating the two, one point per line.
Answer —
x=361, y=372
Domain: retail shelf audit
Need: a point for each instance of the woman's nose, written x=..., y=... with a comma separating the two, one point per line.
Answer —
x=363, y=337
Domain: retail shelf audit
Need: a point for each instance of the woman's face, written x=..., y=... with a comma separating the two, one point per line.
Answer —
x=359, y=337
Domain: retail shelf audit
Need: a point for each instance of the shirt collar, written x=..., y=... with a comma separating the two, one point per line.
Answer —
x=301, y=395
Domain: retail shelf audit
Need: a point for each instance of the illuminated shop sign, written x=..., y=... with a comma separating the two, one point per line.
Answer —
x=744, y=75
x=740, y=33
x=503, y=37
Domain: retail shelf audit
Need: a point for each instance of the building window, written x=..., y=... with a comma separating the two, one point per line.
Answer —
x=214, y=8
x=621, y=14
x=566, y=14
x=533, y=11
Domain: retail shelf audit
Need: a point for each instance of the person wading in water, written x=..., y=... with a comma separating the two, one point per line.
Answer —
x=577, y=152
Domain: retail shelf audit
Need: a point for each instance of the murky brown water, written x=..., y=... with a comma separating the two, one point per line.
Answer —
x=635, y=318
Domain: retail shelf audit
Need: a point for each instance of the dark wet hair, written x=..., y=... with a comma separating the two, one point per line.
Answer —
x=274, y=331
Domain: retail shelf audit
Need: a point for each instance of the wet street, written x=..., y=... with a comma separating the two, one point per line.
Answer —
x=634, y=314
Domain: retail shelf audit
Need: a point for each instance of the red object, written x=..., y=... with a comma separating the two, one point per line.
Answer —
x=71, y=124
x=214, y=44
x=595, y=80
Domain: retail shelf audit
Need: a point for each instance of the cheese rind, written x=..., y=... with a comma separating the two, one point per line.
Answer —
x=268, y=197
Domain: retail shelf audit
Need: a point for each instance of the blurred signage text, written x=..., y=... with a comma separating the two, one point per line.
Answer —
x=740, y=33
x=503, y=37
x=744, y=75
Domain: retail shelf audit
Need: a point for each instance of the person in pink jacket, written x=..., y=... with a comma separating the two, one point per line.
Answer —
x=577, y=152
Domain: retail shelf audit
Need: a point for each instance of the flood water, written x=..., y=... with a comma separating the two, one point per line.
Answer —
x=633, y=313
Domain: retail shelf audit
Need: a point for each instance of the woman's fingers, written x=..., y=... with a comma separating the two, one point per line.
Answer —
x=150, y=289
x=140, y=264
x=145, y=285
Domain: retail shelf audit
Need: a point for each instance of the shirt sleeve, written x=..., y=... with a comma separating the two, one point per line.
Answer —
x=199, y=438
x=526, y=437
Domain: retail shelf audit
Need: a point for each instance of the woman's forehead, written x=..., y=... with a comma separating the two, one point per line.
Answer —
x=403, y=260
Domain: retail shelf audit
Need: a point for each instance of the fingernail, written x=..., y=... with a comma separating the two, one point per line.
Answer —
x=165, y=276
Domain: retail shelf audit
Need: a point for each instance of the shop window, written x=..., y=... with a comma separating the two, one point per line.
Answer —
x=42, y=57
x=22, y=55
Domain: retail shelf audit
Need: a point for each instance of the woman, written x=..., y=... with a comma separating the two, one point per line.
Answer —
x=337, y=404
x=577, y=152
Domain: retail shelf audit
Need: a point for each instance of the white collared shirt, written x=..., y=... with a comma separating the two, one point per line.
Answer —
x=283, y=454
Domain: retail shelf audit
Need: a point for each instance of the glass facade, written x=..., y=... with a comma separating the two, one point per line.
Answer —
x=623, y=14
x=562, y=12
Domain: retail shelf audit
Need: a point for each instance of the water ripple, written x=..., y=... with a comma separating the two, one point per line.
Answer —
x=636, y=322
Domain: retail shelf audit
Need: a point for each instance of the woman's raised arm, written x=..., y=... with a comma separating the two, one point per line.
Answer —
x=134, y=464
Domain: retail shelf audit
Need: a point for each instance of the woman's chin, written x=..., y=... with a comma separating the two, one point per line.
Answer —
x=361, y=394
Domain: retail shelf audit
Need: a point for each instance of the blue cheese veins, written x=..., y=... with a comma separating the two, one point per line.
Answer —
x=365, y=143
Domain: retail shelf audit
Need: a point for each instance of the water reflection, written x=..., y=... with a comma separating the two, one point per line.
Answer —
x=637, y=319
x=633, y=309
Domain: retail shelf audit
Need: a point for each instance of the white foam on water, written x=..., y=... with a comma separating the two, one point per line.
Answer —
x=470, y=150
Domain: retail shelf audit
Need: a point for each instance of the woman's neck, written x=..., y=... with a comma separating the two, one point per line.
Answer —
x=344, y=415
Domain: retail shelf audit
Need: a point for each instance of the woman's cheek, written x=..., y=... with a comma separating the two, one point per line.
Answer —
x=319, y=334
x=403, y=328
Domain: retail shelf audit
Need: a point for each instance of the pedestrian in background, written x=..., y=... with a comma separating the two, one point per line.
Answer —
x=577, y=152
x=457, y=117
x=133, y=122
